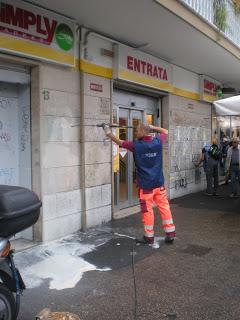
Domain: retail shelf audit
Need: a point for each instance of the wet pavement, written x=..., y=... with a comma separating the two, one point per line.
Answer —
x=93, y=274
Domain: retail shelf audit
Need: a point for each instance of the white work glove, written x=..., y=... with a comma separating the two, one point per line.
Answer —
x=150, y=127
x=106, y=128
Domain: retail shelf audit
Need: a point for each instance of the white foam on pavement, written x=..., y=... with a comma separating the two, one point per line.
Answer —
x=60, y=262
x=157, y=242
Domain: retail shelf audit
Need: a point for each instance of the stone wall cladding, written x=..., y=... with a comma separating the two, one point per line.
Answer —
x=97, y=157
x=189, y=129
x=60, y=151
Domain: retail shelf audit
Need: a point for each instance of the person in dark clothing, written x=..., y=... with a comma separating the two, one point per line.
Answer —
x=224, y=149
x=233, y=165
x=210, y=157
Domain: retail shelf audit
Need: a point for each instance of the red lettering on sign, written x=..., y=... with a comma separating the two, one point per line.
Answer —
x=11, y=17
x=29, y=19
x=137, y=65
x=151, y=70
x=130, y=62
x=155, y=72
x=50, y=28
x=2, y=14
x=165, y=77
x=39, y=29
x=143, y=63
x=96, y=87
x=15, y=19
x=160, y=72
x=210, y=88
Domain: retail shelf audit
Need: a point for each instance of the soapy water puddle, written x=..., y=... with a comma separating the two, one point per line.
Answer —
x=59, y=261
x=63, y=262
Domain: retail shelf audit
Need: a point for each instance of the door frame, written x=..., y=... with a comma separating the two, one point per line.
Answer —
x=130, y=200
x=20, y=76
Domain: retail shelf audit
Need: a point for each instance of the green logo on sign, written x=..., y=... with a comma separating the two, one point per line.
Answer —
x=64, y=37
x=219, y=92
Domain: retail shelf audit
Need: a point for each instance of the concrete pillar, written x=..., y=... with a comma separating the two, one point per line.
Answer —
x=96, y=156
x=56, y=150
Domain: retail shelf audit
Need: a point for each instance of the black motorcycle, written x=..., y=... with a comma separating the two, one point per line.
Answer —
x=19, y=209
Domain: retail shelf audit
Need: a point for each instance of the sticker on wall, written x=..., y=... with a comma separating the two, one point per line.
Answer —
x=96, y=87
x=115, y=150
x=122, y=152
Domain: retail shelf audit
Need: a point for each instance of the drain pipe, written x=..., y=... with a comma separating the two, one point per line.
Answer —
x=82, y=139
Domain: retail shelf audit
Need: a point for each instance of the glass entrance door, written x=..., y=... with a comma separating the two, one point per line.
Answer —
x=124, y=156
x=125, y=179
x=136, y=118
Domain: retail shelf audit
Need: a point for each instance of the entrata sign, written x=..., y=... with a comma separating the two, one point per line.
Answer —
x=138, y=67
x=146, y=68
x=45, y=33
x=209, y=89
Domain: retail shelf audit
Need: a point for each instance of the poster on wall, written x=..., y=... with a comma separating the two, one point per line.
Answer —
x=115, y=151
x=30, y=31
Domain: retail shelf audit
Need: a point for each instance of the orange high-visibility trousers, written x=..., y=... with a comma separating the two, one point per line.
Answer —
x=158, y=196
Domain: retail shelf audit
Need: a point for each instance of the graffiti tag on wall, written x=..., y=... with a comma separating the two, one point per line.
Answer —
x=4, y=103
x=7, y=175
x=25, y=126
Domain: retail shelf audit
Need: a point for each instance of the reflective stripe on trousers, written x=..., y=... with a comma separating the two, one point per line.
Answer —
x=158, y=196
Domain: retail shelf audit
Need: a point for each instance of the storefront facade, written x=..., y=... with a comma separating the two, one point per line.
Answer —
x=40, y=100
x=52, y=96
x=146, y=88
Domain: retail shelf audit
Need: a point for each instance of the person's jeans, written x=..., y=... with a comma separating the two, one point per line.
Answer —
x=235, y=178
x=212, y=176
x=223, y=166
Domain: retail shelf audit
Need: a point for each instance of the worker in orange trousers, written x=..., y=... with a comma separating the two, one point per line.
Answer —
x=147, y=151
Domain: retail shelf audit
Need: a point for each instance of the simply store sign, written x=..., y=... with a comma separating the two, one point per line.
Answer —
x=31, y=31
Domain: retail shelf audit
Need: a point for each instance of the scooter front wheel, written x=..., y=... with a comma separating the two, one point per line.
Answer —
x=7, y=303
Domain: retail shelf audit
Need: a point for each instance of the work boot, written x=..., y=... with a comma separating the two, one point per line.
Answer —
x=146, y=240
x=233, y=195
x=207, y=193
x=170, y=236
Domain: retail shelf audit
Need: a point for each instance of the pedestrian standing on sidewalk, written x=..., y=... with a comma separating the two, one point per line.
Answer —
x=147, y=152
x=224, y=145
x=233, y=165
x=210, y=157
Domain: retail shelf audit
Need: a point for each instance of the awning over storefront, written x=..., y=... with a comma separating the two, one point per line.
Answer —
x=228, y=107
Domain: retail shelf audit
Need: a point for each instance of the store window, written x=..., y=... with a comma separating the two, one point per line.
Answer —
x=149, y=119
x=224, y=127
x=235, y=126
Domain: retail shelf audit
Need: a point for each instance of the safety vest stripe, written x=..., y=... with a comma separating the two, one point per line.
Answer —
x=149, y=234
x=148, y=227
x=170, y=221
x=169, y=229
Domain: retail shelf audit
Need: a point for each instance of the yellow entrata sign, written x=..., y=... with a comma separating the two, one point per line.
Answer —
x=30, y=31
